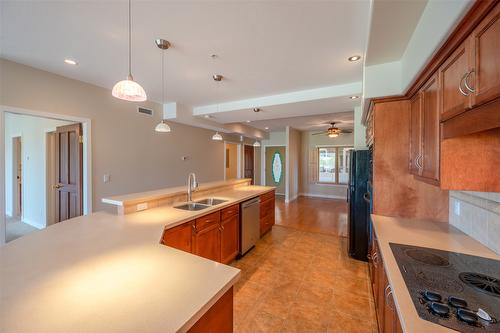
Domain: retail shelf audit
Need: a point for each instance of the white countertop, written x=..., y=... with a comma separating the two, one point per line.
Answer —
x=109, y=273
x=438, y=235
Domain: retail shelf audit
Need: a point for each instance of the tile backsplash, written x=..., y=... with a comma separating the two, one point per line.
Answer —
x=478, y=215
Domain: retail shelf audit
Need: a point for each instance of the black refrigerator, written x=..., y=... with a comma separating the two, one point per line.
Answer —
x=358, y=212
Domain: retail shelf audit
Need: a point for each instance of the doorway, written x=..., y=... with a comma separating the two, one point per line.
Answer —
x=275, y=168
x=44, y=173
x=248, y=171
x=232, y=160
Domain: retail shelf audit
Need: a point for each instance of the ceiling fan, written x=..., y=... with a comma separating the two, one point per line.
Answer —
x=333, y=131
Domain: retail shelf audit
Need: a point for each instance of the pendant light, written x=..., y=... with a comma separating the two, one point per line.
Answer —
x=256, y=143
x=217, y=137
x=128, y=89
x=162, y=45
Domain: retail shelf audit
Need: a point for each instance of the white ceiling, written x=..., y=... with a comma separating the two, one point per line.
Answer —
x=392, y=25
x=264, y=47
x=345, y=120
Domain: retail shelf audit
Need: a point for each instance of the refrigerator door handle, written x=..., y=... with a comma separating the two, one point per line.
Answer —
x=366, y=197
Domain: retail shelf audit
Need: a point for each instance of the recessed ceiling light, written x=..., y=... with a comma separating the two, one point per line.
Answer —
x=354, y=58
x=71, y=62
x=354, y=97
x=266, y=128
x=207, y=116
x=256, y=110
x=248, y=121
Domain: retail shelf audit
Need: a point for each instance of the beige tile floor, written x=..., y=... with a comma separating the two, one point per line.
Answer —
x=300, y=281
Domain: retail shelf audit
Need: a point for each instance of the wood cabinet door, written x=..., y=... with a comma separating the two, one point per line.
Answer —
x=454, y=95
x=230, y=235
x=430, y=130
x=179, y=237
x=415, y=134
x=485, y=52
x=206, y=242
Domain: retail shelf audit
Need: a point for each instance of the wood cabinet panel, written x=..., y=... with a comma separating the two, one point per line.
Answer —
x=207, y=242
x=179, y=237
x=230, y=235
x=267, y=207
x=415, y=134
x=229, y=211
x=267, y=196
x=454, y=99
x=219, y=318
x=485, y=53
x=430, y=130
x=207, y=220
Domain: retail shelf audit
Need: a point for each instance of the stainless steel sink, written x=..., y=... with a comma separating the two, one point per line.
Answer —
x=193, y=206
x=211, y=201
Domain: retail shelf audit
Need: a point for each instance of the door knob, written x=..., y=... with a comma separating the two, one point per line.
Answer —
x=57, y=186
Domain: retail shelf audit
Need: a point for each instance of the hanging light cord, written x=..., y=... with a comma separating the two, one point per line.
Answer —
x=129, y=38
x=162, y=77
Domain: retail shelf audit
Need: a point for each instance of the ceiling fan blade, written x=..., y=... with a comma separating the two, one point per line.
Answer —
x=320, y=133
x=347, y=131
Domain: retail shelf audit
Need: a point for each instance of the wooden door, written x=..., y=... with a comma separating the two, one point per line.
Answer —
x=272, y=176
x=230, y=235
x=18, y=176
x=179, y=237
x=206, y=242
x=454, y=95
x=69, y=174
x=415, y=134
x=485, y=52
x=249, y=163
x=430, y=133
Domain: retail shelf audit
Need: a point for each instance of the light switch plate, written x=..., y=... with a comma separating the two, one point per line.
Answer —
x=142, y=206
x=106, y=178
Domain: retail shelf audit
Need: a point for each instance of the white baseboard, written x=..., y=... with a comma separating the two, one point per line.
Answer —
x=34, y=224
x=292, y=199
x=314, y=195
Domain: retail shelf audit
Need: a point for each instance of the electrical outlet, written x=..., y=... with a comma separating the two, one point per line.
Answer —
x=456, y=208
x=141, y=206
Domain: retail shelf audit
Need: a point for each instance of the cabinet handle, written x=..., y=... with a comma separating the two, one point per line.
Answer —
x=388, y=291
x=465, y=81
x=460, y=84
x=194, y=227
x=419, y=159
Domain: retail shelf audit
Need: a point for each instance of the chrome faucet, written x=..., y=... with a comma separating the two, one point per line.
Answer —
x=192, y=186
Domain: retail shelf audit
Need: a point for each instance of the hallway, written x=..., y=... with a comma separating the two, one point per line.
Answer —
x=299, y=278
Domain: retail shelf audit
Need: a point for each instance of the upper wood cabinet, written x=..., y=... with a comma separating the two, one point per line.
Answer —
x=485, y=56
x=424, y=132
x=454, y=95
x=430, y=130
x=415, y=134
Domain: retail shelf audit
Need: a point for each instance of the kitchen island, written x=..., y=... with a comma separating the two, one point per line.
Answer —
x=109, y=273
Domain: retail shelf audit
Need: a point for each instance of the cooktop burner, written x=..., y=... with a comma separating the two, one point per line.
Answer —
x=455, y=290
x=427, y=257
x=481, y=282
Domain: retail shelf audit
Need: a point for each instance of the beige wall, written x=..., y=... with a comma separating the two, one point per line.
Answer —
x=293, y=163
x=124, y=143
x=232, y=155
x=309, y=142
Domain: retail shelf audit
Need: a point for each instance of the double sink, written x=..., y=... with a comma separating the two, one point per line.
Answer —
x=201, y=204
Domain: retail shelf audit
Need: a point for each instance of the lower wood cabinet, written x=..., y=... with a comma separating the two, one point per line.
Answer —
x=215, y=236
x=179, y=237
x=267, y=212
x=387, y=316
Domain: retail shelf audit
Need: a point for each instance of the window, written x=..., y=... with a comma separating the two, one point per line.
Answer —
x=334, y=164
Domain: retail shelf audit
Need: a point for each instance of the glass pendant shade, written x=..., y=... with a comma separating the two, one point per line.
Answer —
x=256, y=144
x=162, y=127
x=333, y=135
x=217, y=137
x=129, y=90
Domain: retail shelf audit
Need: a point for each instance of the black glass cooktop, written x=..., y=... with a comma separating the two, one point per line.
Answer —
x=456, y=290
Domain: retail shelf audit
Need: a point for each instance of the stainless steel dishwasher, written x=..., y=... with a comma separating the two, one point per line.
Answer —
x=250, y=224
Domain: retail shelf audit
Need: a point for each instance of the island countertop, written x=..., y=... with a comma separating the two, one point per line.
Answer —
x=437, y=235
x=109, y=273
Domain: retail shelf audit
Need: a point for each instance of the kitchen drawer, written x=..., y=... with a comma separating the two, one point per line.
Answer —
x=266, y=223
x=266, y=208
x=229, y=211
x=267, y=196
x=207, y=220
